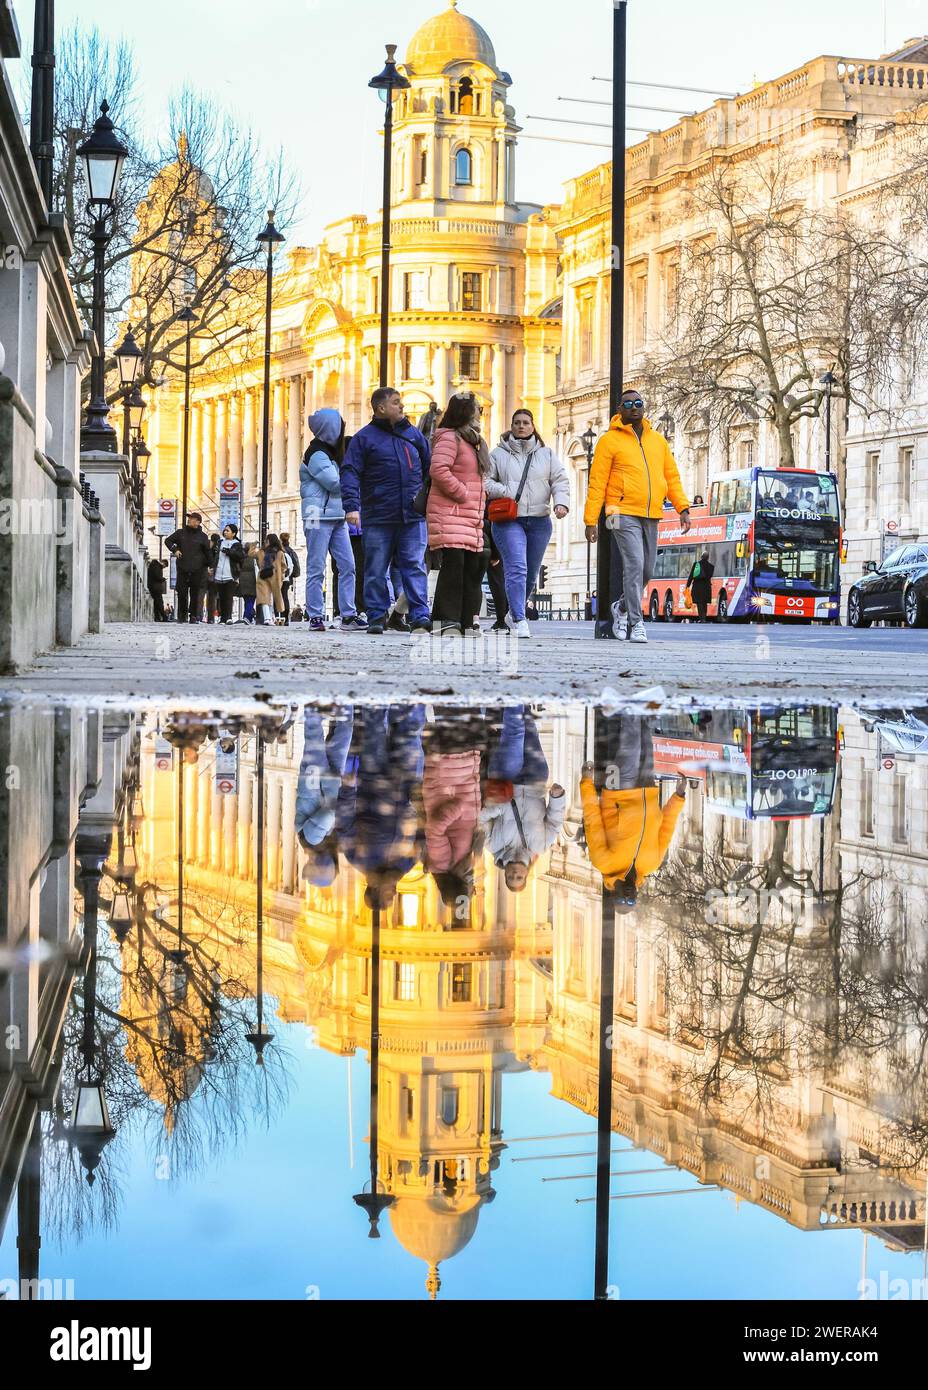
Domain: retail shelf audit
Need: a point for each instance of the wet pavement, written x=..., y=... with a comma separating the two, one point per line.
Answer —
x=554, y=1002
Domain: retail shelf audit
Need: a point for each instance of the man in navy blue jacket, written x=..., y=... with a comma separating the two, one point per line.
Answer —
x=386, y=464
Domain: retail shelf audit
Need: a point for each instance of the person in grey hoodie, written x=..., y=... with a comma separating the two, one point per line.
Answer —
x=522, y=541
x=324, y=522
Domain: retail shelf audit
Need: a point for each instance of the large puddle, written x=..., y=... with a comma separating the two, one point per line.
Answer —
x=271, y=987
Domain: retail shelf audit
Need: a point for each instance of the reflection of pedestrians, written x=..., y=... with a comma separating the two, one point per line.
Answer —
x=520, y=819
x=325, y=793
x=628, y=833
x=451, y=795
x=385, y=841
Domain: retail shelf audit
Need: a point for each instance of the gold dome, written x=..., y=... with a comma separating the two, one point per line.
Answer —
x=450, y=37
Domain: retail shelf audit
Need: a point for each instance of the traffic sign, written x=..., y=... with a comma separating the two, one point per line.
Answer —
x=167, y=516
x=230, y=502
x=892, y=526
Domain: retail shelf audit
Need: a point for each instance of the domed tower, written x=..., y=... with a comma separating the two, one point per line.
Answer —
x=455, y=134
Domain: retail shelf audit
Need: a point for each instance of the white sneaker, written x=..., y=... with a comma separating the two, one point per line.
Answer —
x=509, y=623
x=522, y=629
x=619, y=619
x=637, y=633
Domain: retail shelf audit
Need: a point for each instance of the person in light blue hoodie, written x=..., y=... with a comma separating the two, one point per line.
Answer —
x=324, y=522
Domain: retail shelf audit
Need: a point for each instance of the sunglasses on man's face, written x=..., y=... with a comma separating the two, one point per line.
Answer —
x=637, y=404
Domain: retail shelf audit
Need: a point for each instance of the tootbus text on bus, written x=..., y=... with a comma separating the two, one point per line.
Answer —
x=773, y=537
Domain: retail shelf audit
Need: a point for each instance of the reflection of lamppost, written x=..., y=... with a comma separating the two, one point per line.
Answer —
x=259, y=1039
x=385, y=83
x=270, y=238
x=90, y=1130
x=188, y=317
x=179, y=953
x=828, y=381
x=103, y=156
x=141, y=454
x=588, y=440
x=606, y=1022
x=373, y=1202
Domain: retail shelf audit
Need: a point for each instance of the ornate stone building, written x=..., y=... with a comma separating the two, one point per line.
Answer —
x=474, y=294
x=828, y=112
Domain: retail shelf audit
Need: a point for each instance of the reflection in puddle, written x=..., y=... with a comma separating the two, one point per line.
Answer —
x=706, y=928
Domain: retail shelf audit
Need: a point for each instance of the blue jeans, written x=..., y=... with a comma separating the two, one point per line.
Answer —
x=403, y=543
x=522, y=544
x=329, y=536
x=518, y=757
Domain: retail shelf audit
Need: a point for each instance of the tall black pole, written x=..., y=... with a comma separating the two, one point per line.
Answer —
x=606, y=1021
x=42, y=117
x=266, y=412
x=96, y=431
x=385, y=249
x=259, y=1039
x=179, y=953
x=616, y=294
x=374, y=1203
x=186, y=460
x=828, y=427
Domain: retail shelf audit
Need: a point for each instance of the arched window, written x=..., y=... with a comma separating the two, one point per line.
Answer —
x=463, y=167
x=466, y=98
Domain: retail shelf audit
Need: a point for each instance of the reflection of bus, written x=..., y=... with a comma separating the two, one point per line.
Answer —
x=774, y=539
x=772, y=764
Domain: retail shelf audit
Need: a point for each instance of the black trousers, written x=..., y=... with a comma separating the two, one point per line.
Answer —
x=225, y=594
x=190, y=586
x=497, y=582
x=285, y=595
x=458, y=594
x=157, y=603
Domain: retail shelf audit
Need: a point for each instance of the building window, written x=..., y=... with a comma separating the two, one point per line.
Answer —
x=449, y=1105
x=671, y=292
x=423, y=165
x=639, y=312
x=469, y=362
x=586, y=330
x=461, y=983
x=463, y=167
x=866, y=803
x=746, y=452
x=471, y=291
x=415, y=365
x=415, y=285
x=409, y=907
x=906, y=469
x=872, y=481
x=900, y=810
x=375, y=294
x=404, y=981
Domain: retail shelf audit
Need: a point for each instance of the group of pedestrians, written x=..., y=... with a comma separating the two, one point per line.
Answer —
x=212, y=571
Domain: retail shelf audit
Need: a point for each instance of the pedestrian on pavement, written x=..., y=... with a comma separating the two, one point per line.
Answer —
x=157, y=587
x=700, y=584
x=526, y=476
x=324, y=522
x=248, y=582
x=192, y=548
x=520, y=817
x=292, y=563
x=428, y=421
x=633, y=471
x=228, y=558
x=271, y=572
x=454, y=513
x=382, y=477
x=628, y=832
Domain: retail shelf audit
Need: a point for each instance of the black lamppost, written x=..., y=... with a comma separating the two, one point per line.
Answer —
x=665, y=424
x=270, y=238
x=103, y=155
x=129, y=361
x=386, y=83
x=259, y=1038
x=588, y=440
x=373, y=1202
x=42, y=116
x=188, y=317
x=828, y=381
x=616, y=294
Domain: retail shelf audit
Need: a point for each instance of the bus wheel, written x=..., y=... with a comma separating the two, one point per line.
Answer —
x=722, y=609
x=654, y=609
x=668, y=607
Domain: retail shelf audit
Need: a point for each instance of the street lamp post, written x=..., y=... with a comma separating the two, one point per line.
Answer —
x=617, y=293
x=42, y=116
x=188, y=317
x=588, y=440
x=129, y=361
x=828, y=381
x=385, y=83
x=103, y=155
x=270, y=238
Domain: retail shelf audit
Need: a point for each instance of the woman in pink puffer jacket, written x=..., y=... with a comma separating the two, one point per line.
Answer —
x=460, y=462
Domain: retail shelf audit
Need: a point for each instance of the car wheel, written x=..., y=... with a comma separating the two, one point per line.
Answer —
x=722, y=609
x=855, y=611
x=654, y=609
x=913, y=609
x=668, y=607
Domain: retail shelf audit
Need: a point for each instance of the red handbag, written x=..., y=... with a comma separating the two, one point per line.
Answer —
x=507, y=508
x=497, y=791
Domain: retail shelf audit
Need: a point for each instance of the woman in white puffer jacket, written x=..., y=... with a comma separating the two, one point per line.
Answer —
x=523, y=541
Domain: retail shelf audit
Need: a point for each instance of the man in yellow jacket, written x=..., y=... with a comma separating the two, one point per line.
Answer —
x=633, y=471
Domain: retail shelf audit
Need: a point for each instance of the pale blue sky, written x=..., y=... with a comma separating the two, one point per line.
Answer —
x=297, y=69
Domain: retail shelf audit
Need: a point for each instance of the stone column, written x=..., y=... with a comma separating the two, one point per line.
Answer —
x=367, y=378
x=195, y=477
x=272, y=855
x=294, y=434
x=498, y=388
x=305, y=431
x=209, y=449
x=250, y=444
x=234, y=435
x=222, y=437
x=441, y=374
x=278, y=447
x=288, y=833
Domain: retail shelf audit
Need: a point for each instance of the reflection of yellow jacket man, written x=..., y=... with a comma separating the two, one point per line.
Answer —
x=632, y=475
x=628, y=827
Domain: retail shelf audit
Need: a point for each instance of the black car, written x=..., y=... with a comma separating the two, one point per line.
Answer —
x=896, y=590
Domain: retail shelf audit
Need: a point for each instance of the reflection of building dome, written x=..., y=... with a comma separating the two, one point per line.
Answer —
x=434, y=1229
x=450, y=37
